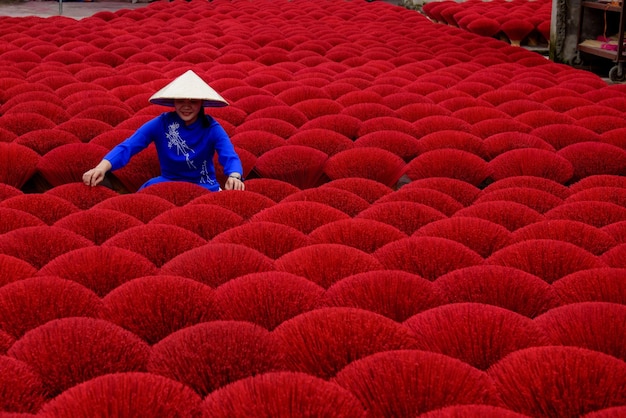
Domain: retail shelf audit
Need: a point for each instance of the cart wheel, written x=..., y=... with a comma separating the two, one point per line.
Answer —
x=616, y=74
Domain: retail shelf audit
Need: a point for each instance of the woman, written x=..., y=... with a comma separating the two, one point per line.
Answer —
x=185, y=139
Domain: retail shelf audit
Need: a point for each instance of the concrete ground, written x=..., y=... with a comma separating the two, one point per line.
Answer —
x=72, y=9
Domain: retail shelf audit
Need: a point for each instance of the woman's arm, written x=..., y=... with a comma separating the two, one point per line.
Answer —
x=95, y=176
x=119, y=156
x=234, y=182
x=228, y=158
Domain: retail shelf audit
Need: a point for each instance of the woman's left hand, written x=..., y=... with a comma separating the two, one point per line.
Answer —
x=233, y=183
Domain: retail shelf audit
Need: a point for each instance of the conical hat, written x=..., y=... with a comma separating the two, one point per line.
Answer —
x=188, y=86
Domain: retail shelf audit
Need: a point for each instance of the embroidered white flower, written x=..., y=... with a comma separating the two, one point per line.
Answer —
x=174, y=140
x=204, y=174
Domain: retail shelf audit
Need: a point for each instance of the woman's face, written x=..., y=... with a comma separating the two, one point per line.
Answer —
x=188, y=109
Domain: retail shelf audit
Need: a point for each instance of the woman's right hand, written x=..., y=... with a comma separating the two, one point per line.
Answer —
x=95, y=176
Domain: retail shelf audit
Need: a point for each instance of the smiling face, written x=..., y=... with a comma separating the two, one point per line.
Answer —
x=188, y=109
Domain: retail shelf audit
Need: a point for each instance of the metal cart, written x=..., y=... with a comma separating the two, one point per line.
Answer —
x=600, y=18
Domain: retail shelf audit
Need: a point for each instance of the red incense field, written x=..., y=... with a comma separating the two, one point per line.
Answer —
x=492, y=283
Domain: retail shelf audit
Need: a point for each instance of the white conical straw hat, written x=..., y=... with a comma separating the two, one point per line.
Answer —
x=188, y=86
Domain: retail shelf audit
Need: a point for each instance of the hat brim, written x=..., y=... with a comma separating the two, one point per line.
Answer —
x=188, y=86
x=169, y=102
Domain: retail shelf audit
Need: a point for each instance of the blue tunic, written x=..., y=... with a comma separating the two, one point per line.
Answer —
x=185, y=152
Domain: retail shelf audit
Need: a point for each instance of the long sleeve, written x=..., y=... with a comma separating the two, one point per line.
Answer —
x=226, y=154
x=120, y=155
